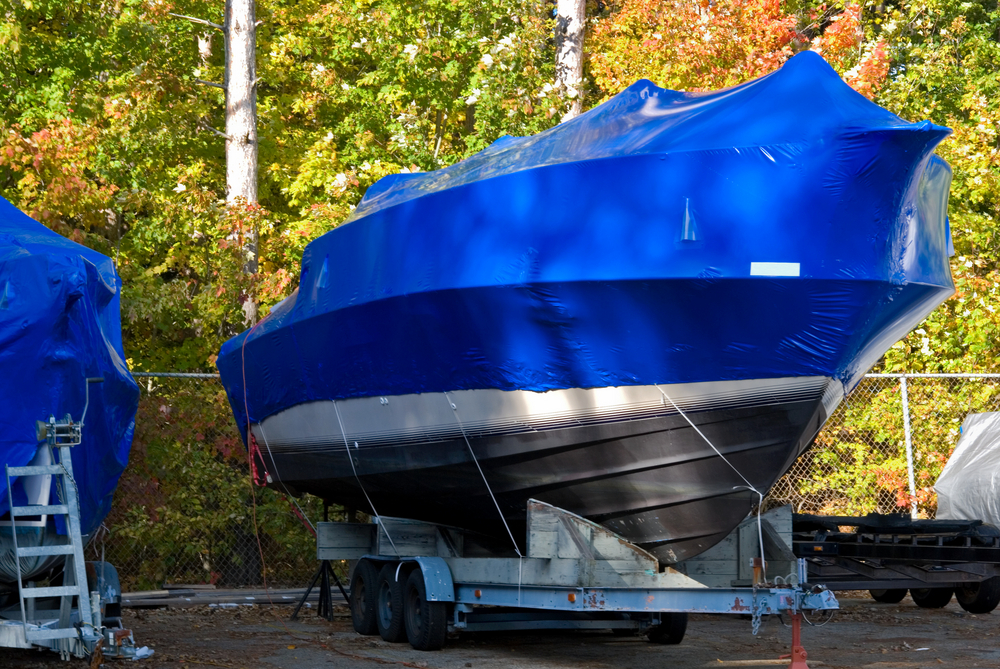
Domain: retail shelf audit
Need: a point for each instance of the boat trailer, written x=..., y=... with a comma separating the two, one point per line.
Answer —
x=888, y=554
x=415, y=581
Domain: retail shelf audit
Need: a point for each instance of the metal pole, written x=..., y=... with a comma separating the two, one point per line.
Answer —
x=909, y=448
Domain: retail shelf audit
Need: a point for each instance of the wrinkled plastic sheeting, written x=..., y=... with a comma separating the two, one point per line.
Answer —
x=785, y=227
x=969, y=485
x=59, y=324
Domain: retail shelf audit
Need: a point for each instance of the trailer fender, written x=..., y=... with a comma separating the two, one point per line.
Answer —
x=437, y=579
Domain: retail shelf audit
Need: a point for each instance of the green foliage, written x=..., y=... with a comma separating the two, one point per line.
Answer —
x=108, y=138
x=945, y=56
x=186, y=510
x=858, y=463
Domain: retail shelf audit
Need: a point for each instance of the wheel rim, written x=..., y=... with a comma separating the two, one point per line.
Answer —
x=358, y=598
x=417, y=608
x=385, y=605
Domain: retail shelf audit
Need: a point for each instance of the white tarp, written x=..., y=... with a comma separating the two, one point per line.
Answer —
x=969, y=486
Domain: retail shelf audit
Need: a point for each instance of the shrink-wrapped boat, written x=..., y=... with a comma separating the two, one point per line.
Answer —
x=60, y=324
x=643, y=315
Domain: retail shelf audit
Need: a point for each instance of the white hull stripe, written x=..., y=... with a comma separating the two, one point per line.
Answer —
x=428, y=417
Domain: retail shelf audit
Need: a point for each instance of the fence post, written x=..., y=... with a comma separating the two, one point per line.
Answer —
x=909, y=448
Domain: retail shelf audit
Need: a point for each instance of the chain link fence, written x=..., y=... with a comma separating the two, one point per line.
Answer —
x=186, y=512
x=886, y=444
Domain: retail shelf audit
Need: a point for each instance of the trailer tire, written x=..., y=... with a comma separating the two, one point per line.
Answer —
x=931, y=598
x=389, y=604
x=426, y=622
x=363, y=590
x=980, y=597
x=890, y=596
x=670, y=630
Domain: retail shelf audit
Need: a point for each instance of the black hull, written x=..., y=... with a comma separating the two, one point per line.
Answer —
x=654, y=481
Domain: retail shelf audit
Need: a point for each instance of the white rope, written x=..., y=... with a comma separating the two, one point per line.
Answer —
x=358, y=479
x=760, y=496
x=476, y=460
x=278, y=478
x=492, y=496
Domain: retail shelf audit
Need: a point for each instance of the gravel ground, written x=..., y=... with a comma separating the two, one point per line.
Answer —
x=864, y=634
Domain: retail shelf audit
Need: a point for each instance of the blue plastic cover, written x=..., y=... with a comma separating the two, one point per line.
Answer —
x=784, y=227
x=59, y=324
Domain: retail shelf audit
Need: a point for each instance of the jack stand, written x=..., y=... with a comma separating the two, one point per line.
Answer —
x=325, y=605
x=798, y=654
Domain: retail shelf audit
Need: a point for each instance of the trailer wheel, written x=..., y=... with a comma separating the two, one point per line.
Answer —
x=363, y=590
x=670, y=630
x=426, y=622
x=891, y=596
x=931, y=598
x=980, y=597
x=389, y=604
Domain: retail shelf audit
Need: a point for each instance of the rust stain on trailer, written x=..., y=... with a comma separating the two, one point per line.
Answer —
x=738, y=605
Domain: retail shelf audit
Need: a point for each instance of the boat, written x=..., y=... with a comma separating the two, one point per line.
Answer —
x=643, y=315
x=60, y=325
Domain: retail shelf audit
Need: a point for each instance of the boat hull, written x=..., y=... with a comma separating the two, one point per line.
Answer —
x=627, y=457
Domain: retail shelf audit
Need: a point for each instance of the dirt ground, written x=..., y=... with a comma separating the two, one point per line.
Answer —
x=864, y=634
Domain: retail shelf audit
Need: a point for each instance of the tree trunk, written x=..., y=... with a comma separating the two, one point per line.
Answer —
x=570, y=16
x=241, y=101
x=241, y=124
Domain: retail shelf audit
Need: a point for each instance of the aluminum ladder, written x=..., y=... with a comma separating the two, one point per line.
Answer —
x=59, y=436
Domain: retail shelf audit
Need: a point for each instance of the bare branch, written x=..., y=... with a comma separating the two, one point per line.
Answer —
x=206, y=126
x=201, y=21
x=209, y=83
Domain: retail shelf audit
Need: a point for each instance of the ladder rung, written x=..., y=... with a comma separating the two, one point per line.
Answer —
x=35, y=470
x=59, y=633
x=36, y=551
x=59, y=591
x=39, y=510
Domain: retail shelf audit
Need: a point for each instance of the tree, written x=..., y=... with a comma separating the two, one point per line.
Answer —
x=110, y=137
x=571, y=16
x=241, y=104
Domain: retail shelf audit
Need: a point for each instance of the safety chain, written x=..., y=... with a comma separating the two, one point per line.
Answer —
x=754, y=612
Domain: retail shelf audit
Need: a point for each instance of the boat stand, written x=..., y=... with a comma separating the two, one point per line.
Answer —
x=323, y=574
x=325, y=605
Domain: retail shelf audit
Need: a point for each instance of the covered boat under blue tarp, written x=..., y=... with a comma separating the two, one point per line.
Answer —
x=59, y=324
x=554, y=302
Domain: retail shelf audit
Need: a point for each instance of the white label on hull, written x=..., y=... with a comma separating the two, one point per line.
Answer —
x=774, y=269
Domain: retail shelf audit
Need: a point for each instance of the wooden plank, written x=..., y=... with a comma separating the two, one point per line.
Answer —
x=344, y=541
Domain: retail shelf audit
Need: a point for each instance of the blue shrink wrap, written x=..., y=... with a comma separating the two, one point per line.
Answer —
x=59, y=324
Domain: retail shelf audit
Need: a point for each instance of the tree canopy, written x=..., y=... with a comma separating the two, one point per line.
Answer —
x=108, y=136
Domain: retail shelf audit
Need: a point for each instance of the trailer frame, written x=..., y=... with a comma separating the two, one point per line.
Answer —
x=574, y=574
